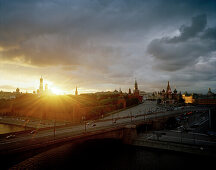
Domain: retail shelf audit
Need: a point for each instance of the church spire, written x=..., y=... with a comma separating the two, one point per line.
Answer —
x=76, y=92
x=168, y=88
x=135, y=85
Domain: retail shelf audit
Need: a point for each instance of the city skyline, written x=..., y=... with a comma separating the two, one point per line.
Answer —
x=103, y=46
x=47, y=88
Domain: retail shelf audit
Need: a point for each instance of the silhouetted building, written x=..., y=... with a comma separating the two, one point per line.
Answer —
x=136, y=90
x=210, y=93
x=76, y=92
x=46, y=88
x=129, y=91
x=136, y=93
x=17, y=90
x=10, y=95
x=169, y=97
x=41, y=85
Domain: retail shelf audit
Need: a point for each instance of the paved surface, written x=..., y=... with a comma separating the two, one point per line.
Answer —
x=28, y=139
x=190, y=131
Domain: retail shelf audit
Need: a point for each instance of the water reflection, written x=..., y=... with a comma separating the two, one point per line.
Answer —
x=5, y=128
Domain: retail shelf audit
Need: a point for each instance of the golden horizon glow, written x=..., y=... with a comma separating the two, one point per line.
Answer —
x=57, y=91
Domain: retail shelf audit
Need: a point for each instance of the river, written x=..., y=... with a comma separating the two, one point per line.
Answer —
x=113, y=155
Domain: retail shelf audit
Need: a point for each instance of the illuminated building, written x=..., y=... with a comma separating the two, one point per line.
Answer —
x=188, y=99
x=208, y=99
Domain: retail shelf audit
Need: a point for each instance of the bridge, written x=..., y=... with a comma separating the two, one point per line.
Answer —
x=122, y=125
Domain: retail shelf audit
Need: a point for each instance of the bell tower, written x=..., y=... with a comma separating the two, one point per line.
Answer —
x=136, y=90
x=41, y=85
x=76, y=92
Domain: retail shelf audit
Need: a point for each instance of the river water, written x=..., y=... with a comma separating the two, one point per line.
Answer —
x=6, y=128
x=109, y=154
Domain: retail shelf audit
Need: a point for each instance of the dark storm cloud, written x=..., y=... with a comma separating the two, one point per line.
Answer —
x=64, y=31
x=101, y=39
x=186, y=32
x=176, y=53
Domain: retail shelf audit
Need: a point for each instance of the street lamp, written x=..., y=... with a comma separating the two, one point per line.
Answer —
x=85, y=126
x=26, y=122
x=84, y=119
x=54, y=130
x=131, y=115
x=112, y=118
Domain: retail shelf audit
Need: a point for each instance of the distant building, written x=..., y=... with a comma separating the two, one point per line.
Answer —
x=189, y=99
x=208, y=99
x=169, y=97
x=210, y=94
x=76, y=92
x=17, y=90
x=41, y=85
x=144, y=94
x=10, y=95
x=136, y=90
x=129, y=91
x=43, y=90
x=136, y=93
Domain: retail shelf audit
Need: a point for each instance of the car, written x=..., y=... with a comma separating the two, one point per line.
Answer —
x=10, y=136
x=33, y=131
x=181, y=128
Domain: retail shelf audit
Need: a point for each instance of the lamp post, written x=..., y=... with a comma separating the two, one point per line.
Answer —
x=143, y=115
x=131, y=115
x=84, y=119
x=54, y=130
x=26, y=122
x=85, y=126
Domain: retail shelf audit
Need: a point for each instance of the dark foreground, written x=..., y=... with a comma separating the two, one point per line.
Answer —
x=112, y=154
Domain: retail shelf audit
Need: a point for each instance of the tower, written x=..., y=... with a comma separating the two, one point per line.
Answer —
x=41, y=85
x=46, y=88
x=76, y=92
x=210, y=92
x=135, y=85
x=136, y=91
x=168, y=91
x=129, y=91
x=17, y=90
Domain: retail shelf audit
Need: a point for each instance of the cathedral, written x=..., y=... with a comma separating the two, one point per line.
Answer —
x=169, y=96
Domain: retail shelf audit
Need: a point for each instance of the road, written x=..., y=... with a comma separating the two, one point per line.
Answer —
x=137, y=113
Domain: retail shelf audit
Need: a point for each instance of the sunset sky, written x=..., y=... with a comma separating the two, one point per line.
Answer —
x=101, y=45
